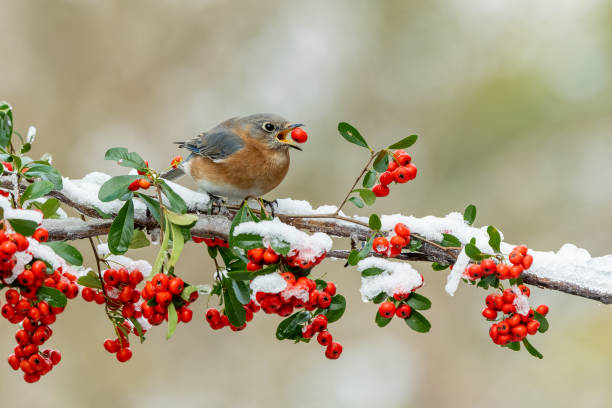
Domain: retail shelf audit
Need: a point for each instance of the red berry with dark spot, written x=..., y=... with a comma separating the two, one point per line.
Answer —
x=403, y=312
x=330, y=288
x=386, y=309
x=489, y=314
x=333, y=351
x=542, y=309
x=324, y=300
x=325, y=338
x=380, y=190
x=386, y=178
x=400, y=175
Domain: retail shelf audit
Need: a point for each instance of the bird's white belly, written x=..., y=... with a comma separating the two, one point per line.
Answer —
x=228, y=191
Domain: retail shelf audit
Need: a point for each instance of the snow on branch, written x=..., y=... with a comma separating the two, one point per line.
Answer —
x=571, y=270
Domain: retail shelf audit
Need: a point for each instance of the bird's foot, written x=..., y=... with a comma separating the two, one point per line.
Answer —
x=270, y=205
x=219, y=203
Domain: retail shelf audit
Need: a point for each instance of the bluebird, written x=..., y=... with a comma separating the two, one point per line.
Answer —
x=240, y=157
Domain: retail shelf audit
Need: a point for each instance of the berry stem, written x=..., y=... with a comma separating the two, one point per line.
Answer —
x=365, y=169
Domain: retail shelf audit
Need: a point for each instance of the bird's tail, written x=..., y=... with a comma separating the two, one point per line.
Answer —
x=177, y=172
x=173, y=174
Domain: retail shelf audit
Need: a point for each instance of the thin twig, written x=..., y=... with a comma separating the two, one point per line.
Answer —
x=365, y=169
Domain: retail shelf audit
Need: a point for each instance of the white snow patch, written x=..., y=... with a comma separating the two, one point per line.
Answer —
x=298, y=292
x=454, y=277
x=31, y=135
x=521, y=302
x=274, y=232
x=289, y=206
x=12, y=214
x=270, y=283
x=397, y=277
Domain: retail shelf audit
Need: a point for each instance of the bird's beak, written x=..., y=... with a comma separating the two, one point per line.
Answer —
x=282, y=136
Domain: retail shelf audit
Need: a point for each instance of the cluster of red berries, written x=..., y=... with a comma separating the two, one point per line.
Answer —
x=218, y=320
x=120, y=346
x=138, y=184
x=120, y=289
x=159, y=292
x=10, y=244
x=211, y=242
x=259, y=257
x=400, y=170
x=299, y=135
x=392, y=247
x=519, y=259
x=514, y=326
x=398, y=307
x=319, y=325
x=176, y=161
x=299, y=293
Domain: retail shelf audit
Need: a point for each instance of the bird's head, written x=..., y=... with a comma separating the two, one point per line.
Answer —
x=272, y=129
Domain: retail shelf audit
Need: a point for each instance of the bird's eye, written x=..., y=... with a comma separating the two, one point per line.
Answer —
x=268, y=127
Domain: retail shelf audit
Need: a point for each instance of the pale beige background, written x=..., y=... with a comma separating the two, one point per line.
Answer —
x=512, y=103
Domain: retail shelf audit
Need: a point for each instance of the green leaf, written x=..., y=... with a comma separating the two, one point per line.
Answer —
x=49, y=208
x=139, y=240
x=514, y=346
x=381, y=321
x=125, y=158
x=172, y=320
x=66, y=251
x=351, y=134
x=183, y=220
x=263, y=271
x=404, y=143
x=240, y=275
x=418, y=322
x=367, y=247
x=336, y=308
x=371, y=272
x=543, y=322
x=241, y=291
x=45, y=172
x=370, y=179
x=6, y=124
x=438, y=266
x=122, y=229
x=469, y=215
x=201, y=289
x=36, y=190
x=353, y=258
x=415, y=245
x=240, y=217
x=291, y=327
x=280, y=247
x=233, y=308
x=52, y=296
x=357, y=202
x=321, y=284
x=494, y=238
x=138, y=329
x=532, y=350
x=379, y=298
x=368, y=197
x=450, y=241
x=116, y=187
x=89, y=281
x=381, y=162
x=178, y=243
x=375, y=223
x=248, y=241
x=418, y=302
x=473, y=252
x=177, y=204
x=102, y=214
x=23, y=227
x=152, y=204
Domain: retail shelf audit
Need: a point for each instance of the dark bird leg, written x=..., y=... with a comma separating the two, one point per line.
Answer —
x=216, y=201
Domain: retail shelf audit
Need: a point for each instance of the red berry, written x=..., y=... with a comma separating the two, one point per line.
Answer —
x=380, y=245
x=270, y=257
x=474, y=272
x=520, y=331
x=515, y=258
x=401, y=175
x=12, y=296
x=522, y=249
x=333, y=351
x=489, y=314
x=55, y=357
x=288, y=277
x=176, y=286
x=112, y=346
x=525, y=290
x=532, y=327
x=187, y=314
x=404, y=159
x=493, y=331
x=392, y=166
x=330, y=288
x=488, y=267
x=514, y=320
x=508, y=296
x=503, y=327
x=527, y=261
x=386, y=309
x=8, y=248
x=144, y=184
x=380, y=190
x=402, y=230
x=253, y=267
x=299, y=135
x=124, y=354
x=41, y=235
x=398, y=242
x=160, y=282
x=508, y=308
x=135, y=277
x=26, y=278
x=134, y=185
x=255, y=255
x=163, y=298
x=213, y=316
x=319, y=323
x=542, y=309
x=386, y=178
x=516, y=271
x=411, y=172
x=404, y=311
x=324, y=300
x=324, y=338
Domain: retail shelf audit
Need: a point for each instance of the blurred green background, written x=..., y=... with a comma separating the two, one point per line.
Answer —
x=511, y=100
